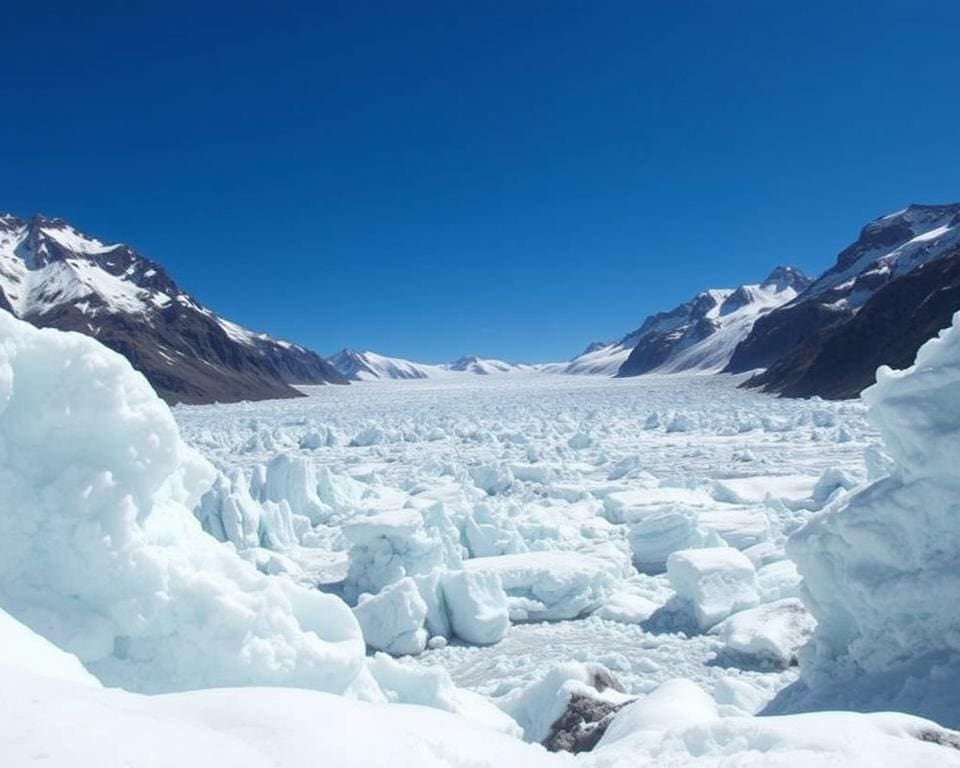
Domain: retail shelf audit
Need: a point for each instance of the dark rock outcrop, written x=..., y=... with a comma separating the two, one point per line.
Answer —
x=888, y=292
x=841, y=360
x=582, y=724
x=587, y=716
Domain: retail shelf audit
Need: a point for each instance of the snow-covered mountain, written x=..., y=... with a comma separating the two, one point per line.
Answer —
x=53, y=275
x=889, y=291
x=484, y=366
x=602, y=358
x=369, y=366
x=701, y=334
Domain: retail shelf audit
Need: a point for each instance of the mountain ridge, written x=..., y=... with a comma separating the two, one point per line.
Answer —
x=53, y=275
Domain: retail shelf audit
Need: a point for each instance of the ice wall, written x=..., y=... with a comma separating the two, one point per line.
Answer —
x=882, y=570
x=101, y=553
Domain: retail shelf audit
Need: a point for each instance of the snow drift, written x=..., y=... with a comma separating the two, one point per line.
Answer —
x=101, y=553
x=881, y=571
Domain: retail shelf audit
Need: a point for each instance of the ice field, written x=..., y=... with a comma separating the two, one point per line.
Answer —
x=573, y=490
x=463, y=573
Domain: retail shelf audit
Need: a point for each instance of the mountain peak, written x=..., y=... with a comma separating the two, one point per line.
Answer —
x=784, y=276
x=52, y=275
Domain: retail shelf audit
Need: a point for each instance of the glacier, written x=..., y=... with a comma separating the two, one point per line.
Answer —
x=218, y=581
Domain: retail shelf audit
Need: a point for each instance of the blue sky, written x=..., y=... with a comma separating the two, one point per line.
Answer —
x=510, y=179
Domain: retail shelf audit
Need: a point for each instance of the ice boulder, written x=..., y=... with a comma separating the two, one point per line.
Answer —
x=655, y=536
x=773, y=632
x=716, y=582
x=476, y=605
x=881, y=569
x=553, y=585
x=387, y=546
x=101, y=552
x=293, y=479
x=492, y=478
x=778, y=580
x=392, y=620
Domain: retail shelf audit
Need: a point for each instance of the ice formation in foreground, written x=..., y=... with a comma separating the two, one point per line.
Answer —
x=67, y=721
x=882, y=572
x=102, y=554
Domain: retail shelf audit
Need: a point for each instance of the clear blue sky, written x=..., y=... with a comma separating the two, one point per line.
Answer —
x=511, y=179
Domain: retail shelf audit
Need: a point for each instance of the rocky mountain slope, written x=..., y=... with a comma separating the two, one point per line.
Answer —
x=701, y=334
x=54, y=276
x=891, y=289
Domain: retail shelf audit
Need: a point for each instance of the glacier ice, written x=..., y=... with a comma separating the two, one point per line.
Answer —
x=880, y=569
x=102, y=554
x=715, y=581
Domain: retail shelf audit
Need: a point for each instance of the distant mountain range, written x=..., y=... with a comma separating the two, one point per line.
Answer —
x=698, y=335
x=370, y=366
x=54, y=276
x=889, y=291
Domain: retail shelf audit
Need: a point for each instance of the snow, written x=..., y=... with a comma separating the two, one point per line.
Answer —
x=24, y=649
x=772, y=632
x=163, y=571
x=553, y=585
x=716, y=581
x=392, y=620
x=101, y=552
x=879, y=566
x=604, y=360
x=821, y=740
x=477, y=604
x=677, y=704
x=242, y=728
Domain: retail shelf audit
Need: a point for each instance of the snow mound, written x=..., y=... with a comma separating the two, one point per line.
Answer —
x=24, y=649
x=102, y=554
x=675, y=727
x=880, y=570
x=716, y=581
x=772, y=632
x=243, y=728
